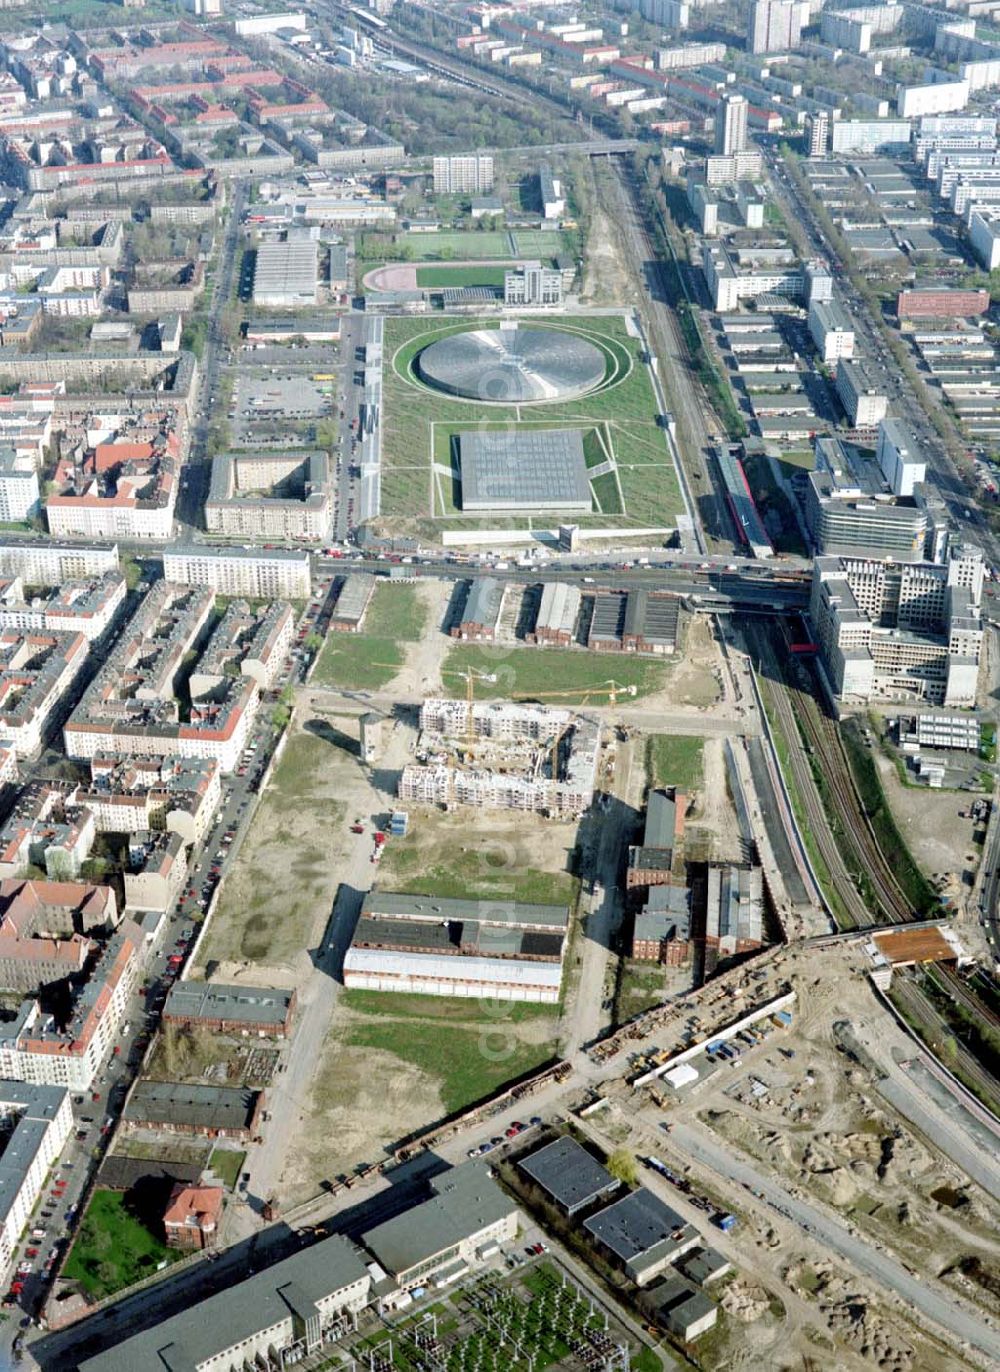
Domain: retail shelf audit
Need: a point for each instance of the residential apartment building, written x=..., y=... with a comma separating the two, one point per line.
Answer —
x=19, y=494
x=898, y=455
x=865, y=402
x=465, y=175
x=88, y=606
x=242, y=503
x=36, y=1122
x=36, y=670
x=730, y=280
x=731, y=120
x=35, y=1048
x=134, y=795
x=258, y=573
x=41, y=562
x=832, y=330
x=774, y=26
x=131, y=706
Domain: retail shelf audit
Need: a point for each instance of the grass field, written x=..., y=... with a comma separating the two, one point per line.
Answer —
x=541, y=242
x=227, y=1164
x=624, y=407
x=459, y=245
x=465, y=1062
x=431, y=278
x=431, y=860
x=675, y=760
x=369, y=660
x=116, y=1245
x=553, y=675
x=446, y=1009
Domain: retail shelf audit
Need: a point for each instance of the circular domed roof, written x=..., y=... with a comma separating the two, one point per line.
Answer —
x=513, y=365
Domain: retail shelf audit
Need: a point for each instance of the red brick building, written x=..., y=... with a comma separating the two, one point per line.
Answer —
x=941, y=303
x=191, y=1219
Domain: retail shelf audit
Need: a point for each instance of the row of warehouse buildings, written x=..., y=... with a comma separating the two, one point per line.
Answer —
x=610, y=621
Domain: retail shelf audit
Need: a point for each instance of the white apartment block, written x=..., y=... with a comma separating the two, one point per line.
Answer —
x=86, y=516
x=832, y=330
x=984, y=237
x=19, y=493
x=87, y=606
x=44, y=563
x=250, y=572
x=468, y=175
x=898, y=456
x=37, y=1120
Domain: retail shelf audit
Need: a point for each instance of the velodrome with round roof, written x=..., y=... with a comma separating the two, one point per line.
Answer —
x=513, y=365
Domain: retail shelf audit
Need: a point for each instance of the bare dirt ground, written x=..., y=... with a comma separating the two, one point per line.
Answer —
x=360, y=1100
x=279, y=894
x=712, y=819
x=697, y=677
x=817, y=1123
x=606, y=278
x=939, y=838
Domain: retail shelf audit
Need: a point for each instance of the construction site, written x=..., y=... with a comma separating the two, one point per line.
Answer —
x=503, y=756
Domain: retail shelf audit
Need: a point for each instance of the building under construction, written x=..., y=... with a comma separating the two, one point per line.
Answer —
x=502, y=756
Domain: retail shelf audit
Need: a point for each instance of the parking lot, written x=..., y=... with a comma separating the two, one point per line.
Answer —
x=279, y=405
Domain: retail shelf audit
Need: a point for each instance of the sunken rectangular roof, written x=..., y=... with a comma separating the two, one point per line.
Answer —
x=567, y=1172
x=437, y=910
x=202, y=1331
x=524, y=469
x=211, y=1001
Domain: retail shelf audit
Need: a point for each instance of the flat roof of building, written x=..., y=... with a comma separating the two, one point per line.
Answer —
x=635, y=1224
x=192, y=1338
x=568, y=1173
x=465, y=1201
x=196, y=1105
x=211, y=1000
x=240, y=554
x=903, y=946
x=438, y=909
x=524, y=469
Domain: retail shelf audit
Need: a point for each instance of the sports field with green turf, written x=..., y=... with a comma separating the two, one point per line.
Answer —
x=435, y=278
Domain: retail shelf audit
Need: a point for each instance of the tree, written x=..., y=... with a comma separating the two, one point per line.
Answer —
x=312, y=642
x=623, y=1166
x=280, y=716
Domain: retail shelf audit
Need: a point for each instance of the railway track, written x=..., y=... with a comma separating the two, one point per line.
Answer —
x=960, y=991
x=824, y=840
x=827, y=749
x=936, y=1031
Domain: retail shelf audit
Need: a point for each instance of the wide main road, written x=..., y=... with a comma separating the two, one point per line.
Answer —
x=196, y=473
